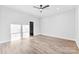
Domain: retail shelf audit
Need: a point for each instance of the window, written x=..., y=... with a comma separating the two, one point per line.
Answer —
x=19, y=31
x=25, y=29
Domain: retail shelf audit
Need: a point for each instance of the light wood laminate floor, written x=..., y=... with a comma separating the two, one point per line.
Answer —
x=39, y=44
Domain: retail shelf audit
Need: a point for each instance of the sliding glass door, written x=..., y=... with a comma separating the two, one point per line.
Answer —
x=19, y=31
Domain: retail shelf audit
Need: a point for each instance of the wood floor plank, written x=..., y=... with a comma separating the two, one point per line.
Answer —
x=40, y=44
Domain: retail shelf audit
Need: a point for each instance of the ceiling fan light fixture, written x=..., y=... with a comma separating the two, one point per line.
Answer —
x=41, y=7
x=41, y=10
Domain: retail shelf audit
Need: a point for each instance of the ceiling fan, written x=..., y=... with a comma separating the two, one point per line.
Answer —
x=41, y=7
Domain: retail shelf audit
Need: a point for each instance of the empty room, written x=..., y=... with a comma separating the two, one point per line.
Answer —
x=39, y=29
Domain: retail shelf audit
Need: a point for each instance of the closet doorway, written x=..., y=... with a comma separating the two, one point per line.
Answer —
x=31, y=28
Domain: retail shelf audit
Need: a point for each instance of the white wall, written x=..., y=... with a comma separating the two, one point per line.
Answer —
x=10, y=16
x=77, y=41
x=77, y=25
x=60, y=25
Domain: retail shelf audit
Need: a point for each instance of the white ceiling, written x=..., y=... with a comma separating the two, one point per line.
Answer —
x=53, y=9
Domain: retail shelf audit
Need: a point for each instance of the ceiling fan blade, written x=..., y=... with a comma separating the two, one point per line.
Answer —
x=45, y=6
x=36, y=7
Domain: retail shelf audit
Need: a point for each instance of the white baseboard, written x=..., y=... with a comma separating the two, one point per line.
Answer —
x=4, y=41
x=62, y=37
x=77, y=42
